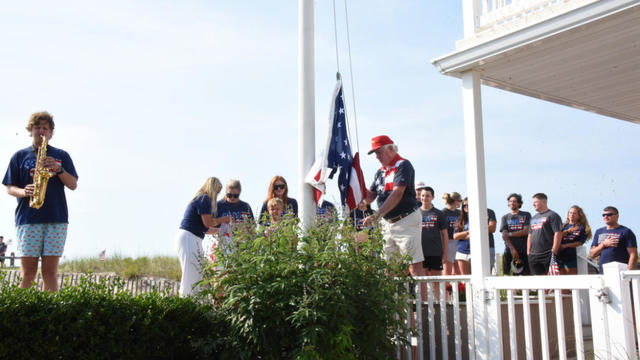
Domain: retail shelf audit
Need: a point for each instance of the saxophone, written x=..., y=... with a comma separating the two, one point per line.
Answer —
x=41, y=176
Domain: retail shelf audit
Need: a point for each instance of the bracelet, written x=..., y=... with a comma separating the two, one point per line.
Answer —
x=59, y=172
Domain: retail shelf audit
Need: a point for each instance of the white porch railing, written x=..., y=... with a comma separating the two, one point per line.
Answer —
x=558, y=330
x=490, y=13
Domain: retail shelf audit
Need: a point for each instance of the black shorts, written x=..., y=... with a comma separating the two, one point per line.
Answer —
x=432, y=263
x=539, y=263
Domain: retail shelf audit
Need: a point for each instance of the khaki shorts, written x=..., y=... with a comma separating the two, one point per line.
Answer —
x=462, y=256
x=404, y=237
x=453, y=248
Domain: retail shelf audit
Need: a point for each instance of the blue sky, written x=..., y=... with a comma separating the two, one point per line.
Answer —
x=152, y=97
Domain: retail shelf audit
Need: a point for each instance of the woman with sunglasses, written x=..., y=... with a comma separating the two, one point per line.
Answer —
x=199, y=218
x=231, y=204
x=575, y=231
x=278, y=189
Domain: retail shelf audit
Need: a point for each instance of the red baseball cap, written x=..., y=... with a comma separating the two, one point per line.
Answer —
x=378, y=142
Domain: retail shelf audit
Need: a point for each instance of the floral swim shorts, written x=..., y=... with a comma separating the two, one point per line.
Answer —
x=35, y=240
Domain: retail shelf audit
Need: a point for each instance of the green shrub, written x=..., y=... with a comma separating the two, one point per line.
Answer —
x=97, y=321
x=321, y=297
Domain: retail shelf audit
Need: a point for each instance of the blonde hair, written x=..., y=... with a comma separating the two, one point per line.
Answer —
x=275, y=201
x=211, y=187
x=582, y=220
x=449, y=198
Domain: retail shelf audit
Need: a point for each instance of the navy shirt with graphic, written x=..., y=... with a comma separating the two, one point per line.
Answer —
x=401, y=173
x=451, y=216
x=433, y=221
x=543, y=227
x=357, y=217
x=192, y=219
x=240, y=211
x=570, y=254
x=516, y=222
x=20, y=173
x=626, y=239
x=325, y=212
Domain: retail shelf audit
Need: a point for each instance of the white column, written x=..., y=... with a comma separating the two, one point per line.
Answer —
x=306, y=110
x=478, y=220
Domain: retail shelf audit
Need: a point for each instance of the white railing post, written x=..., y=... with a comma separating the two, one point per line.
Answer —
x=583, y=269
x=619, y=315
x=471, y=10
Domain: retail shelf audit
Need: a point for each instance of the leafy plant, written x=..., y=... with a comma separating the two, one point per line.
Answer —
x=100, y=321
x=314, y=295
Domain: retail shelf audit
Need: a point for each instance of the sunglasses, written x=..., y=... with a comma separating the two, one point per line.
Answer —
x=233, y=196
x=279, y=187
x=608, y=214
x=465, y=205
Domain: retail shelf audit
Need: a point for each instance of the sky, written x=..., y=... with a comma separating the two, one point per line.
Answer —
x=152, y=97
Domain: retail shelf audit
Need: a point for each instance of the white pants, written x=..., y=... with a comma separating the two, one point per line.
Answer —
x=191, y=257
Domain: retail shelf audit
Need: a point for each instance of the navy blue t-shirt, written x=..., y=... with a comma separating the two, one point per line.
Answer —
x=357, y=217
x=292, y=208
x=626, y=239
x=20, y=174
x=192, y=220
x=452, y=218
x=400, y=173
x=569, y=254
x=464, y=246
x=240, y=211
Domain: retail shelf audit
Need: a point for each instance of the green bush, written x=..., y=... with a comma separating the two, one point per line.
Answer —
x=98, y=321
x=320, y=297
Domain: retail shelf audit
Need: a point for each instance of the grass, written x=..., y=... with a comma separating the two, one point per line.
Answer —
x=167, y=267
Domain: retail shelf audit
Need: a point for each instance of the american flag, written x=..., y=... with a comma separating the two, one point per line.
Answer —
x=553, y=266
x=337, y=157
x=102, y=254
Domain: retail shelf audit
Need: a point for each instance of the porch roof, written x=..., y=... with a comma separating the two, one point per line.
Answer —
x=588, y=58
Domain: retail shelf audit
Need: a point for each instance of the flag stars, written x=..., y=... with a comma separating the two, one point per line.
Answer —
x=341, y=111
x=343, y=155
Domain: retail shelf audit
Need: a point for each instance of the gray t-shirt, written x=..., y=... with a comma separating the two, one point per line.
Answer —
x=433, y=221
x=543, y=227
x=516, y=222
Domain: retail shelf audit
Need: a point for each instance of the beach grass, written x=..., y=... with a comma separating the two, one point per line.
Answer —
x=167, y=267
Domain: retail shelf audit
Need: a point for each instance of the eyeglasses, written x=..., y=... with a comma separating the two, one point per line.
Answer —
x=279, y=187
x=608, y=214
x=233, y=196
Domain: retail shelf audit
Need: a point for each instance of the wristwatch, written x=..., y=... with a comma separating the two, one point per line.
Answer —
x=60, y=171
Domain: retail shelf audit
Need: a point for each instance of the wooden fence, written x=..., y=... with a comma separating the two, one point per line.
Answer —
x=135, y=286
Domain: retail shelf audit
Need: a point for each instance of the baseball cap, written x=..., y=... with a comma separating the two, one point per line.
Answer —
x=420, y=185
x=378, y=142
x=517, y=266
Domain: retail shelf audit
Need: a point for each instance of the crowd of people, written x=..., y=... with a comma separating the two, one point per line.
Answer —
x=437, y=241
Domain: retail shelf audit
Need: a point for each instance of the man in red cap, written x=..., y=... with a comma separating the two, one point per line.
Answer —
x=397, y=205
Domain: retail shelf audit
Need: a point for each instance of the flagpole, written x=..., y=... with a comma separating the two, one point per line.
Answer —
x=306, y=109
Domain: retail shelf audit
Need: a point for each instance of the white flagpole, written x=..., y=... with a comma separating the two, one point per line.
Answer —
x=306, y=110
